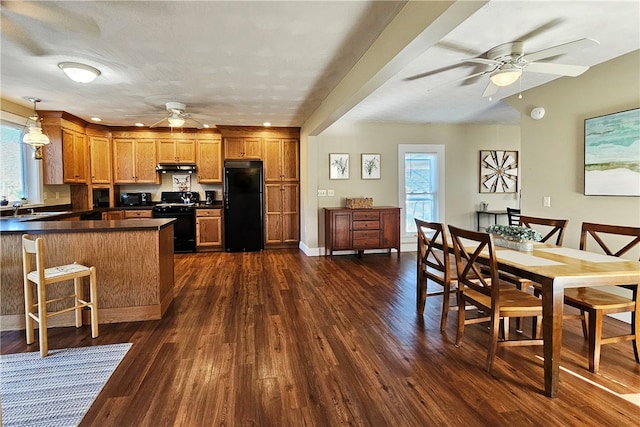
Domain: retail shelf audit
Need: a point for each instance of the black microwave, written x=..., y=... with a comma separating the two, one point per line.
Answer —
x=135, y=199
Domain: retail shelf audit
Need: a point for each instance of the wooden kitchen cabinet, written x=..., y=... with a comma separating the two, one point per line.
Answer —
x=208, y=229
x=134, y=161
x=361, y=229
x=282, y=216
x=74, y=158
x=209, y=161
x=112, y=215
x=100, y=159
x=242, y=148
x=176, y=151
x=137, y=213
x=281, y=160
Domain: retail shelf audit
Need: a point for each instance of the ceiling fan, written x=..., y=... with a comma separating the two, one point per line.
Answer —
x=508, y=61
x=178, y=118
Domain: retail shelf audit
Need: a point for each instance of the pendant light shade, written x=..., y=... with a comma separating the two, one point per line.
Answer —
x=35, y=137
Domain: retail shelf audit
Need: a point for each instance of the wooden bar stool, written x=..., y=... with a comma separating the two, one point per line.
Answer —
x=43, y=277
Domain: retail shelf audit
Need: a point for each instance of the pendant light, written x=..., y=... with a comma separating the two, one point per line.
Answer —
x=35, y=137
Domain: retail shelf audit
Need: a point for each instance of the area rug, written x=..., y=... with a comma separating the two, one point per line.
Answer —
x=56, y=390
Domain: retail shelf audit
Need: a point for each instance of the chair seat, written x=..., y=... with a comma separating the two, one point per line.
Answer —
x=511, y=300
x=61, y=273
x=595, y=299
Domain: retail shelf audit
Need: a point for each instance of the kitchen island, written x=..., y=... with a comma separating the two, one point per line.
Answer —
x=133, y=260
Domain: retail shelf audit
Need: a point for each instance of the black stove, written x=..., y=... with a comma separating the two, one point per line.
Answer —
x=180, y=205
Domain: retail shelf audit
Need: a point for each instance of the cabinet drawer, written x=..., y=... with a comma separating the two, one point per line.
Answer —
x=138, y=214
x=366, y=225
x=366, y=239
x=208, y=212
x=366, y=215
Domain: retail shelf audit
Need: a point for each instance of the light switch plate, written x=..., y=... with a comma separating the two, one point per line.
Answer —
x=546, y=201
x=330, y=193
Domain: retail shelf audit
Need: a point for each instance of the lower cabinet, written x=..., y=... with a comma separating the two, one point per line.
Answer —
x=138, y=213
x=361, y=229
x=208, y=229
x=282, y=218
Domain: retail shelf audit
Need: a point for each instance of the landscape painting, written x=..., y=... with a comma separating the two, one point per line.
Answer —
x=612, y=154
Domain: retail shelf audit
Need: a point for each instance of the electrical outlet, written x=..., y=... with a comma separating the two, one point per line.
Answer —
x=322, y=193
x=546, y=201
x=330, y=193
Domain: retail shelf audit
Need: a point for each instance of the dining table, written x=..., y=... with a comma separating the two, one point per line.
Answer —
x=557, y=268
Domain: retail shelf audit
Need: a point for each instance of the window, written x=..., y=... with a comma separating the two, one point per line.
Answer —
x=421, y=189
x=20, y=174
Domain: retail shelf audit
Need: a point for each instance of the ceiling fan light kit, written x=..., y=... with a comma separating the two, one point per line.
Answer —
x=505, y=76
x=79, y=73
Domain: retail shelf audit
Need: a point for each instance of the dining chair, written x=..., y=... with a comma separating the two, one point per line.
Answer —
x=482, y=287
x=43, y=278
x=434, y=266
x=596, y=303
x=547, y=227
x=513, y=216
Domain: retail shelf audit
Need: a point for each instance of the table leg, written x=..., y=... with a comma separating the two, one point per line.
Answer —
x=478, y=219
x=552, y=309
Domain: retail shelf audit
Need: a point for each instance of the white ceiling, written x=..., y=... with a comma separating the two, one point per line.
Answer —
x=244, y=63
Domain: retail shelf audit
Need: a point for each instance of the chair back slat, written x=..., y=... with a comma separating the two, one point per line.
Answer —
x=548, y=227
x=627, y=238
x=433, y=259
x=474, y=271
x=513, y=215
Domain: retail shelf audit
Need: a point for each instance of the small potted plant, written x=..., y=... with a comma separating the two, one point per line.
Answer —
x=514, y=236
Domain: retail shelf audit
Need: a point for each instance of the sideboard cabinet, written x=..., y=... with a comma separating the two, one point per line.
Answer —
x=361, y=229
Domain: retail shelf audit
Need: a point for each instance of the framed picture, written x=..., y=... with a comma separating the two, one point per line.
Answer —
x=338, y=166
x=498, y=171
x=611, y=154
x=370, y=166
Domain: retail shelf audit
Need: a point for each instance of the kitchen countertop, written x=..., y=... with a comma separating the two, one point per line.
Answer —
x=87, y=226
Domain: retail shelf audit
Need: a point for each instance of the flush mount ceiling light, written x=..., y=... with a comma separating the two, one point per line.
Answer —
x=35, y=137
x=79, y=73
x=506, y=75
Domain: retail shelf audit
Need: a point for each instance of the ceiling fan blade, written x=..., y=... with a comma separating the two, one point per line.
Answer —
x=490, y=89
x=482, y=61
x=192, y=123
x=161, y=123
x=559, y=69
x=560, y=49
x=540, y=29
x=432, y=72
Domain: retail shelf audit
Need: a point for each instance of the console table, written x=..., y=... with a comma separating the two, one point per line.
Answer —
x=360, y=229
x=495, y=215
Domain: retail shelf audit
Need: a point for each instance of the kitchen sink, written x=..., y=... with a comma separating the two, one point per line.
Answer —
x=34, y=215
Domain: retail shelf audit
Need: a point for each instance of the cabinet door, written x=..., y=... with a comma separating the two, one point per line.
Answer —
x=389, y=228
x=73, y=157
x=185, y=151
x=253, y=148
x=290, y=213
x=272, y=160
x=233, y=148
x=145, y=161
x=273, y=213
x=123, y=161
x=208, y=231
x=166, y=151
x=209, y=161
x=290, y=160
x=80, y=157
x=341, y=230
x=100, y=158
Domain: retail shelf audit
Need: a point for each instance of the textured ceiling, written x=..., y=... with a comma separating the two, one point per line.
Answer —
x=244, y=63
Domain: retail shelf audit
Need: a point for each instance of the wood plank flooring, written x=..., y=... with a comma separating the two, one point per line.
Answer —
x=276, y=338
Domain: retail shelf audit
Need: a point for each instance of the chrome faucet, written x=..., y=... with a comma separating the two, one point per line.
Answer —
x=16, y=207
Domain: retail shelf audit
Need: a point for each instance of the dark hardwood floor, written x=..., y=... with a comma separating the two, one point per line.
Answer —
x=281, y=339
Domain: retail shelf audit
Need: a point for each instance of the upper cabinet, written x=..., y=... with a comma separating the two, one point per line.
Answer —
x=281, y=160
x=176, y=151
x=100, y=159
x=134, y=161
x=65, y=159
x=242, y=148
x=209, y=161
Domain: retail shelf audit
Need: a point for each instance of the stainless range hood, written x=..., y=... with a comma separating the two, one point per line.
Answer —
x=176, y=167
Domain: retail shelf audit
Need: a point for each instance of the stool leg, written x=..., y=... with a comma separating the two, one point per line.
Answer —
x=28, y=305
x=93, y=289
x=77, y=289
x=42, y=319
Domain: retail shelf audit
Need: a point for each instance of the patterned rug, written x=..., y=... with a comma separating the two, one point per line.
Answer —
x=56, y=390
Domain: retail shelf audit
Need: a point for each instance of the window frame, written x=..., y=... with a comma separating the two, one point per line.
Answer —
x=439, y=200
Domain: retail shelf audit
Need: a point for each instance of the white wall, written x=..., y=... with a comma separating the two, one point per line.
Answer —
x=553, y=148
x=462, y=146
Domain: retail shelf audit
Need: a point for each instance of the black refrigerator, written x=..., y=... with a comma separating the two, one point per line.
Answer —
x=243, y=211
